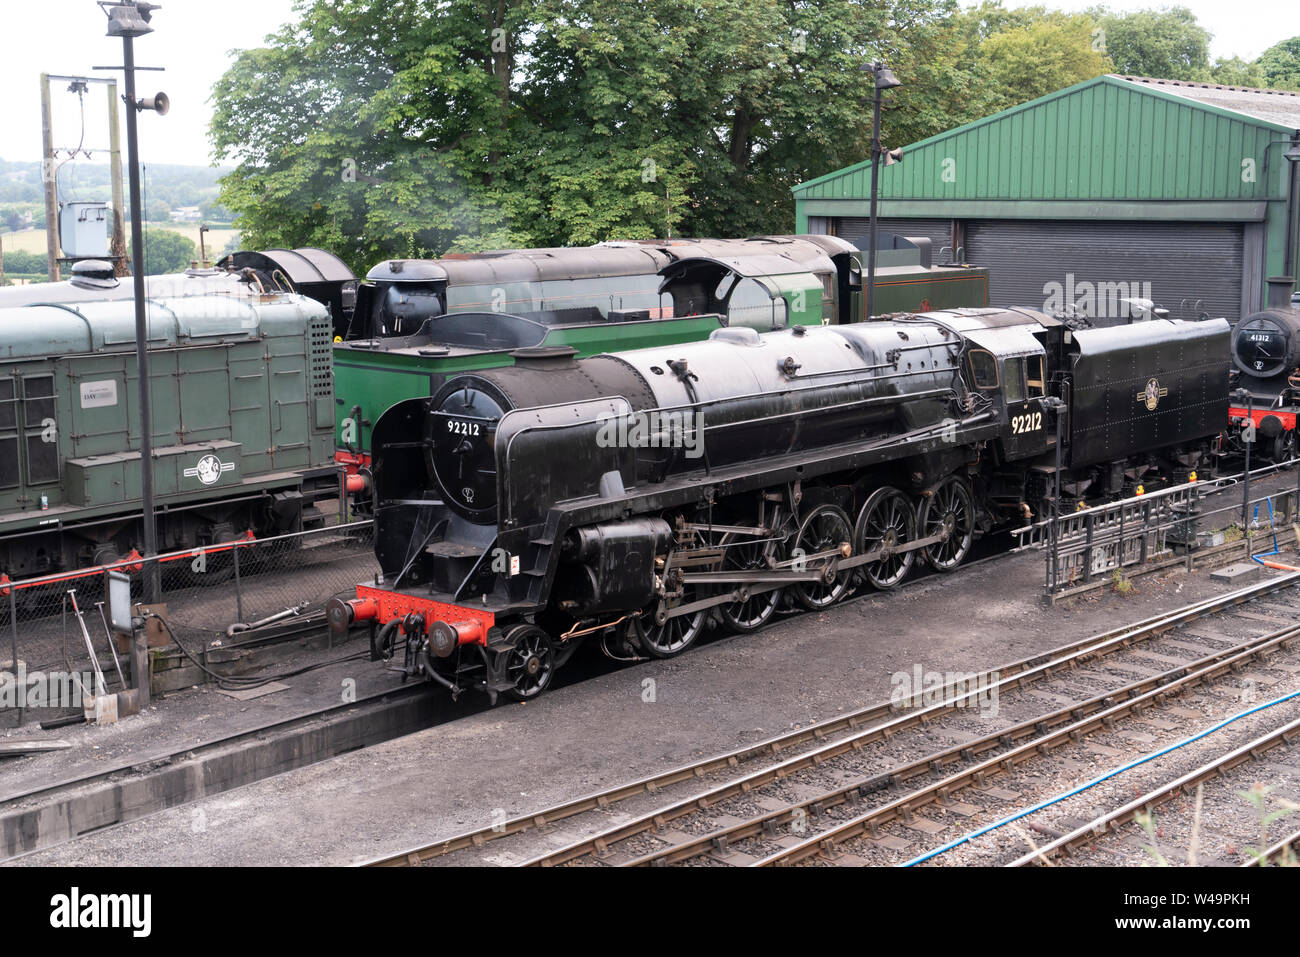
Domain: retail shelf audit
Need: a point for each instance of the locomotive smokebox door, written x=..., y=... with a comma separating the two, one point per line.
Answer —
x=463, y=440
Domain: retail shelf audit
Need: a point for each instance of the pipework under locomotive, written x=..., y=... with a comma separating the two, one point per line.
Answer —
x=639, y=497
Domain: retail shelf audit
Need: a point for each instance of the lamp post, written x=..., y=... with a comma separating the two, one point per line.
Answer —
x=129, y=19
x=884, y=80
x=1292, y=156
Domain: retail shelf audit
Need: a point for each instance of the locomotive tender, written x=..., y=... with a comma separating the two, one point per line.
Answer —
x=634, y=497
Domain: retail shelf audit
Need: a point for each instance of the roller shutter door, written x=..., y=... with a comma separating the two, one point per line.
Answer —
x=857, y=230
x=1033, y=261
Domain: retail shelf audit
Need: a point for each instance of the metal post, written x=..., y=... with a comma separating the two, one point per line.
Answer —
x=13, y=638
x=1054, y=572
x=1292, y=208
x=141, y=673
x=1245, y=495
x=117, y=249
x=1089, y=530
x=151, y=582
x=239, y=592
x=49, y=174
x=875, y=179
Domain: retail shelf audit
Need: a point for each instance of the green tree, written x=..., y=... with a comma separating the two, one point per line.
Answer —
x=1234, y=71
x=1168, y=44
x=1029, y=52
x=157, y=211
x=379, y=130
x=18, y=262
x=166, y=251
x=1281, y=65
x=214, y=212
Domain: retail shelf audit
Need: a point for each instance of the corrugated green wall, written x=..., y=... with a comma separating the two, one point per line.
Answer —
x=1105, y=139
x=1105, y=148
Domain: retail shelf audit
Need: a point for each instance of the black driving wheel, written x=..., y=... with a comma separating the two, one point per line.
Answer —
x=826, y=529
x=886, y=522
x=950, y=511
x=754, y=610
x=676, y=634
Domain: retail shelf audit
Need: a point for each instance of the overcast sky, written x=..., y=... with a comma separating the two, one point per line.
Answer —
x=193, y=40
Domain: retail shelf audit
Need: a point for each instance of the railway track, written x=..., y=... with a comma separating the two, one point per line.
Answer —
x=1110, y=821
x=1132, y=701
x=752, y=800
x=1284, y=852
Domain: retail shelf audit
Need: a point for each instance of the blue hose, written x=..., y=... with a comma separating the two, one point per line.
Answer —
x=1094, y=782
x=1273, y=526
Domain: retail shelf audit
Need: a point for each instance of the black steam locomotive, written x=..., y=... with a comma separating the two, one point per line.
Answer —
x=636, y=497
x=1266, y=376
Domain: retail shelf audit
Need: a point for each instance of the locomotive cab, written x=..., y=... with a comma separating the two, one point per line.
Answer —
x=1007, y=367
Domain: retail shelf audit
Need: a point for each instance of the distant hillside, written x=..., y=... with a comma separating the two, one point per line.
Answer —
x=175, y=186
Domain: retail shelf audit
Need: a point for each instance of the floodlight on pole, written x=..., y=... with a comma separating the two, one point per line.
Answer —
x=129, y=19
x=884, y=80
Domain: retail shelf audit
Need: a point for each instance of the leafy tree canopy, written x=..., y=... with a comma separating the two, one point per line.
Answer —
x=1028, y=52
x=1169, y=44
x=410, y=128
x=1234, y=71
x=166, y=251
x=1281, y=65
x=419, y=127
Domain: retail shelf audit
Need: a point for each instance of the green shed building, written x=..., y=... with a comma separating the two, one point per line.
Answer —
x=1116, y=187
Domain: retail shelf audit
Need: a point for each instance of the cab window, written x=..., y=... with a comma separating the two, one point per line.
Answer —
x=984, y=369
x=1013, y=380
x=828, y=287
x=1037, y=387
x=750, y=304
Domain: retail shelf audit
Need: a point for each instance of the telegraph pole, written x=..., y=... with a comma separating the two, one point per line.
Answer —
x=49, y=173
x=117, y=246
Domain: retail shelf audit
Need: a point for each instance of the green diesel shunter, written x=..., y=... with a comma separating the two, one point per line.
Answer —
x=243, y=422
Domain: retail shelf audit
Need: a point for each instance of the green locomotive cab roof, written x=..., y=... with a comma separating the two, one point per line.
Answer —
x=109, y=326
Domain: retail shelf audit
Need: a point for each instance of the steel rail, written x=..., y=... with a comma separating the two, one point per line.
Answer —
x=1112, y=820
x=1284, y=851
x=1175, y=680
x=1171, y=681
x=1060, y=657
x=599, y=843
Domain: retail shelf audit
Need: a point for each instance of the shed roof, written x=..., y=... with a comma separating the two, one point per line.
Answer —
x=1109, y=147
x=1271, y=106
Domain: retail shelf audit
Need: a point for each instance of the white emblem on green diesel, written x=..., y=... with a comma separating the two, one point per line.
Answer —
x=209, y=469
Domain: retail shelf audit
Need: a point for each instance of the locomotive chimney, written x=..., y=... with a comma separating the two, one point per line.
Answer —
x=1279, y=292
